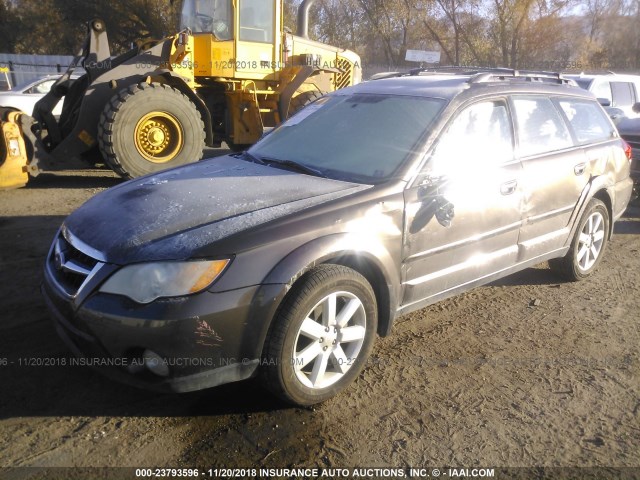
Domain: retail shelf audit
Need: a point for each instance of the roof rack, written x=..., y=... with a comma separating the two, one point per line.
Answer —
x=485, y=74
x=492, y=74
x=522, y=76
x=592, y=72
x=438, y=70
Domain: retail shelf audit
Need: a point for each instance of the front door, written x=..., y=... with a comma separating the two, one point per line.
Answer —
x=464, y=214
x=258, y=38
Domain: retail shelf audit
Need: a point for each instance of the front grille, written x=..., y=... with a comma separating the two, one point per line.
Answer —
x=343, y=79
x=70, y=267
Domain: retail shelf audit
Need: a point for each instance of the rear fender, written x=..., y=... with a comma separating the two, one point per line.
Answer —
x=600, y=183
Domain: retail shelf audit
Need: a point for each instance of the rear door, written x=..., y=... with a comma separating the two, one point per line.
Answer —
x=557, y=167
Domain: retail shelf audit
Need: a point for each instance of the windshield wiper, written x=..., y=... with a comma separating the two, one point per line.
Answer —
x=252, y=158
x=291, y=165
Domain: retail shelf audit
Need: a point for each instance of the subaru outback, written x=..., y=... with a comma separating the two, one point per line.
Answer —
x=286, y=261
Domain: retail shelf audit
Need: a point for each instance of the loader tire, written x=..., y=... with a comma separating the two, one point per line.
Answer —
x=146, y=128
x=303, y=99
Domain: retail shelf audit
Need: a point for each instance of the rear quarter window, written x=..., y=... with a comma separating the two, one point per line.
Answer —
x=588, y=121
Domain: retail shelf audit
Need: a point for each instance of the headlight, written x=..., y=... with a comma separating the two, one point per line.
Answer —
x=146, y=282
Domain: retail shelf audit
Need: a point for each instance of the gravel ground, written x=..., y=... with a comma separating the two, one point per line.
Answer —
x=529, y=371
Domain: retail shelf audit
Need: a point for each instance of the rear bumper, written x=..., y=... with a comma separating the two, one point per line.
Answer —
x=622, y=196
x=635, y=166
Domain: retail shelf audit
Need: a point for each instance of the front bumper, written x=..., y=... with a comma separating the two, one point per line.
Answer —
x=206, y=339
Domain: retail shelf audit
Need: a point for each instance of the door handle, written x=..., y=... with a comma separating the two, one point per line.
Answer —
x=579, y=169
x=507, y=188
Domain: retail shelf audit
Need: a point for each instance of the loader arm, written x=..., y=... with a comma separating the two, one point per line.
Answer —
x=94, y=57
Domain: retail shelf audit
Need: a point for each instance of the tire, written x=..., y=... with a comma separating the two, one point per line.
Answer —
x=237, y=147
x=146, y=128
x=588, y=244
x=302, y=100
x=342, y=359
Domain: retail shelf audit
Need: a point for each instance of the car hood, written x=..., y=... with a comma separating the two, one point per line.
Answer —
x=8, y=97
x=19, y=101
x=170, y=215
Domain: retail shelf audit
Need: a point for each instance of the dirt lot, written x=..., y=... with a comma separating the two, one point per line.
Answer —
x=482, y=380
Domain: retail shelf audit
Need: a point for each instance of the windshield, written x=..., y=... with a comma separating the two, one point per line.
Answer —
x=208, y=16
x=361, y=138
x=584, y=82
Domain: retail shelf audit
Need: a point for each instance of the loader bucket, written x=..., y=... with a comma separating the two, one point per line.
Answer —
x=13, y=151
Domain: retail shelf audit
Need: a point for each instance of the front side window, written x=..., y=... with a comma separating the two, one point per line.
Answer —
x=256, y=21
x=588, y=121
x=480, y=136
x=42, y=87
x=363, y=138
x=541, y=129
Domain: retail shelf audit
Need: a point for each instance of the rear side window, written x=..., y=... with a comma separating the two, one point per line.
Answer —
x=588, y=121
x=623, y=94
x=541, y=129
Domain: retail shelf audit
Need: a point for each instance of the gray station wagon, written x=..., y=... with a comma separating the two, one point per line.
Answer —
x=286, y=261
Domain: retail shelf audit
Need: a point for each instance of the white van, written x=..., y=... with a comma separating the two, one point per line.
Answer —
x=617, y=92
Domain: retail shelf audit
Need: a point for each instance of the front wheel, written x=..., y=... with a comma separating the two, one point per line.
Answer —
x=150, y=127
x=588, y=245
x=322, y=336
x=303, y=99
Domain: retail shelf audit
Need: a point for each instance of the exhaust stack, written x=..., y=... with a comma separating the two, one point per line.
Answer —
x=303, y=18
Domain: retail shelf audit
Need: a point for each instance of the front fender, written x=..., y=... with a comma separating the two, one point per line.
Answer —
x=341, y=248
x=367, y=255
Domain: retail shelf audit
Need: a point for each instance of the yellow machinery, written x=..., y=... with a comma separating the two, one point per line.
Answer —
x=230, y=73
x=13, y=151
x=5, y=83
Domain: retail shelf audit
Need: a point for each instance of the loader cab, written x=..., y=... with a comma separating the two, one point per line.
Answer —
x=208, y=16
x=234, y=38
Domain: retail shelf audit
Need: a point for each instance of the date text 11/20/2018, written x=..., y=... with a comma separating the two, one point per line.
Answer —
x=313, y=472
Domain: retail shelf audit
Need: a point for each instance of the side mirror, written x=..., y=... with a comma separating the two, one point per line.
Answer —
x=445, y=212
x=615, y=114
x=605, y=102
x=636, y=107
x=433, y=203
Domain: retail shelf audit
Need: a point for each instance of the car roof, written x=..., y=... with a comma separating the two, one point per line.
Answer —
x=608, y=75
x=449, y=86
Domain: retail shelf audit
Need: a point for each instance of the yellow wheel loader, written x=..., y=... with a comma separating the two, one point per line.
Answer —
x=232, y=72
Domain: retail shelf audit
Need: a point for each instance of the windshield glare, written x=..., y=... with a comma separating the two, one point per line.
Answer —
x=363, y=138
